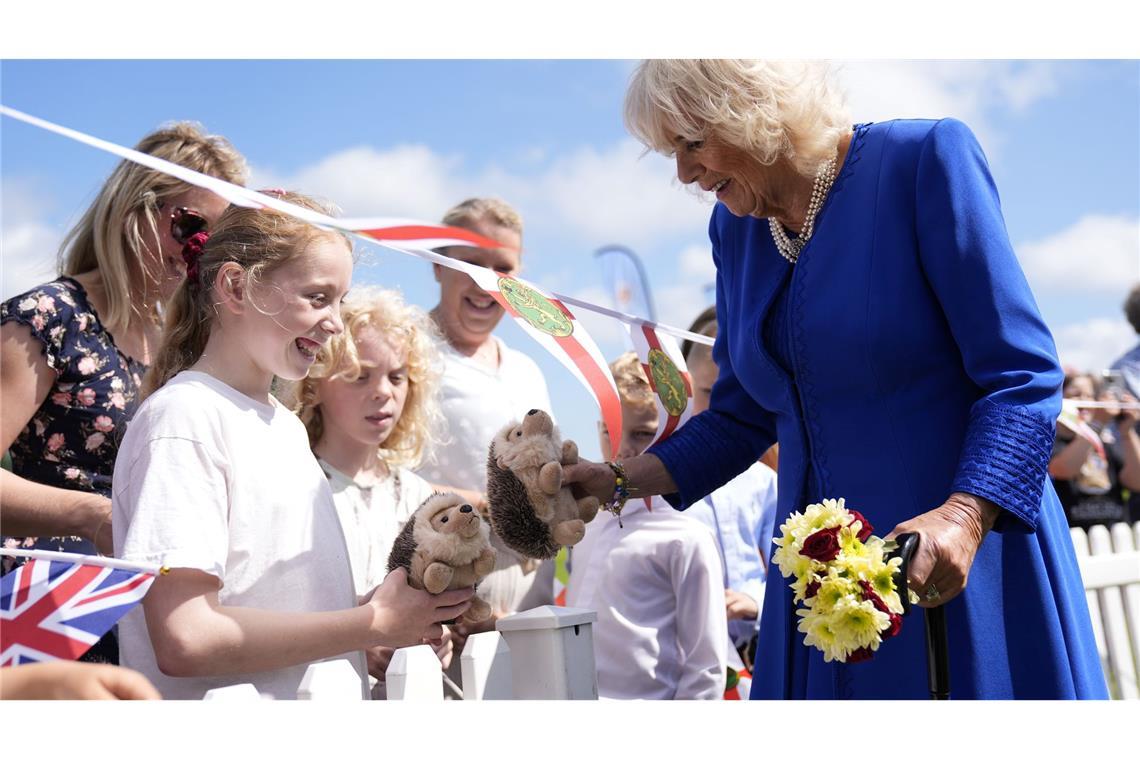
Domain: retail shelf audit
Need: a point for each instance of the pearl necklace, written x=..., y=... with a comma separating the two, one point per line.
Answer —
x=789, y=248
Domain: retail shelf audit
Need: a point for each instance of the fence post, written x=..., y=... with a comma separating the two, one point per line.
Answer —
x=331, y=680
x=415, y=674
x=486, y=666
x=552, y=653
x=238, y=692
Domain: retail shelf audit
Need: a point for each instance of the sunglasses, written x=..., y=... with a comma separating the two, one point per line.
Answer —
x=185, y=223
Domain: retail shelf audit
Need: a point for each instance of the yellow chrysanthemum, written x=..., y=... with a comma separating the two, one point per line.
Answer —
x=818, y=633
x=857, y=624
x=832, y=589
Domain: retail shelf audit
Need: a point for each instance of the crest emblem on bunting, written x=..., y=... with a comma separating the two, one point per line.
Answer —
x=535, y=308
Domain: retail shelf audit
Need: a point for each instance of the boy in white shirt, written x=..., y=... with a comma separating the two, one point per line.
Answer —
x=655, y=581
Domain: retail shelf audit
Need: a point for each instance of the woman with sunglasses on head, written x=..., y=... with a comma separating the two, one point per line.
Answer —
x=73, y=350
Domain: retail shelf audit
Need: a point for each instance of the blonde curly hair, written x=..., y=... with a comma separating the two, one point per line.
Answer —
x=632, y=383
x=410, y=331
x=772, y=109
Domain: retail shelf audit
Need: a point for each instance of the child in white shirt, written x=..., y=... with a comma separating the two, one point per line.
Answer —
x=214, y=478
x=654, y=580
x=371, y=408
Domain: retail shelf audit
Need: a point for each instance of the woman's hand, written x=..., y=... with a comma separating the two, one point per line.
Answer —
x=589, y=479
x=949, y=538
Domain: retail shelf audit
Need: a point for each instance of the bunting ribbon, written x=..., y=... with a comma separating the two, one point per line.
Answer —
x=543, y=316
x=668, y=377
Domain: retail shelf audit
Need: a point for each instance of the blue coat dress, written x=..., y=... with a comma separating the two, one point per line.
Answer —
x=901, y=359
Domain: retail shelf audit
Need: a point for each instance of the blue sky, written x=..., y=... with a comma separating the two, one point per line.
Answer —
x=410, y=138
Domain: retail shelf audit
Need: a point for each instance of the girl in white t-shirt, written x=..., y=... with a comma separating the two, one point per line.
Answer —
x=371, y=407
x=215, y=480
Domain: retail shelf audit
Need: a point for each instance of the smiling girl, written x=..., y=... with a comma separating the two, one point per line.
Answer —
x=215, y=479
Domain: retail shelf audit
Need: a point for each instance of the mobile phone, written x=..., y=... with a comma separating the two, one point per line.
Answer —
x=1114, y=382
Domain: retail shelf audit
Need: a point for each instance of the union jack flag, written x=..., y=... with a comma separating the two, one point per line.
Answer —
x=55, y=609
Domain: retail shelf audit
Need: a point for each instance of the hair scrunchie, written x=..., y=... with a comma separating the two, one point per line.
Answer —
x=191, y=252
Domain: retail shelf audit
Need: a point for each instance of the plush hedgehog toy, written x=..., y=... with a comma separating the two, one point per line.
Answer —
x=531, y=511
x=445, y=545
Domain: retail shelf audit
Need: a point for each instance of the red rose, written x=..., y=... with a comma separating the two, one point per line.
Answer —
x=811, y=590
x=823, y=545
x=865, y=531
x=862, y=654
x=870, y=595
x=895, y=627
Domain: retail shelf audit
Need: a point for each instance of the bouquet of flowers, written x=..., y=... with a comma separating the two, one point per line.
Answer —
x=843, y=579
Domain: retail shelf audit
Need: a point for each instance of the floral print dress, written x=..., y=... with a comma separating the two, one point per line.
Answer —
x=72, y=439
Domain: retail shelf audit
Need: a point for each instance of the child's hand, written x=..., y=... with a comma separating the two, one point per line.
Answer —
x=379, y=658
x=403, y=616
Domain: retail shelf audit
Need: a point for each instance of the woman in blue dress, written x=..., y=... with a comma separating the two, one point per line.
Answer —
x=73, y=350
x=874, y=319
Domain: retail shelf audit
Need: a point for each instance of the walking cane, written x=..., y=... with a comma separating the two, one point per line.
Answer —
x=937, y=650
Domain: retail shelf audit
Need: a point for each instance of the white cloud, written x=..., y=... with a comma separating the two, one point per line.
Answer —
x=29, y=256
x=967, y=90
x=696, y=261
x=28, y=244
x=1098, y=253
x=600, y=196
x=1093, y=344
x=608, y=333
x=618, y=195
x=405, y=180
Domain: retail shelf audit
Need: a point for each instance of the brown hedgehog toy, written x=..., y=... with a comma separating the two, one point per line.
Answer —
x=530, y=509
x=446, y=545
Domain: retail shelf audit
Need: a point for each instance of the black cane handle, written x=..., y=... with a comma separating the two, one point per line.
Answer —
x=937, y=648
x=906, y=544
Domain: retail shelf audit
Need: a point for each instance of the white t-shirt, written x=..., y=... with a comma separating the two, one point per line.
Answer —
x=373, y=517
x=476, y=402
x=210, y=479
x=656, y=586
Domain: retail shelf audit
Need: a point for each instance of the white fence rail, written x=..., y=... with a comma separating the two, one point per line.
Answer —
x=548, y=652
x=544, y=653
x=1110, y=567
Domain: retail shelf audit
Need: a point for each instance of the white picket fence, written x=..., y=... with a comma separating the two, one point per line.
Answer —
x=548, y=652
x=1110, y=566
x=544, y=653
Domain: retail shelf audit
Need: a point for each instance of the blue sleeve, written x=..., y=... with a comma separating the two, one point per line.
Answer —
x=1006, y=348
x=715, y=446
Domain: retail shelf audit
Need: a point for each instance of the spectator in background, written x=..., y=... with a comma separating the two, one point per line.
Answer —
x=485, y=384
x=741, y=513
x=655, y=579
x=1091, y=465
x=1129, y=364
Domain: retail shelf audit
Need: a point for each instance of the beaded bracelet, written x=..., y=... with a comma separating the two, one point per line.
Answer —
x=621, y=491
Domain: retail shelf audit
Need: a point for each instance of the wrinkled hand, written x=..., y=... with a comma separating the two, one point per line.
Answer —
x=949, y=538
x=403, y=616
x=740, y=606
x=74, y=680
x=589, y=479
